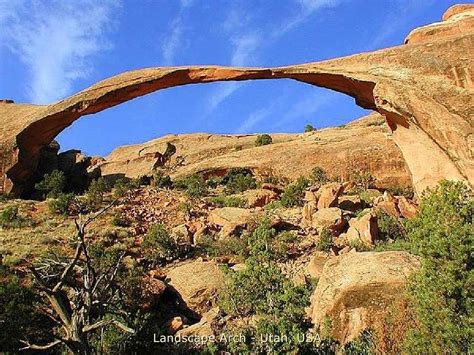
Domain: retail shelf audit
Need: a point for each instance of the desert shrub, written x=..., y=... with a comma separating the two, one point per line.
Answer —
x=52, y=184
x=293, y=194
x=362, y=345
x=228, y=201
x=124, y=186
x=262, y=289
x=158, y=244
x=195, y=186
x=271, y=179
x=324, y=242
x=231, y=246
x=359, y=245
x=389, y=226
x=161, y=180
x=318, y=175
x=62, y=203
x=94, y=196
x=214, y=181
x=442, y=291
x=263, y=139
x=309, y=128
x=363, y=179
x=238, y=180
x=10, y=218
x=19, y=316
x=367, y=196
x=119, y=220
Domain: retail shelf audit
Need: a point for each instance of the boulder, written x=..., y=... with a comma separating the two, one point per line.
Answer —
x=355, y=287
x=173, y=325
x=316, y=263
x=197, y=283
x=151, y=291
x=388, y=204
x=331, y=218
x=230, y=219
x=362, y=229
x=182, y=235
x=259, y=197
x=407, y=208
x=272, y=187
x=203, y=328
x=328, y=195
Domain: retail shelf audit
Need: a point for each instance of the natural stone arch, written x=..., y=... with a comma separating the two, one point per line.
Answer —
x=424, y=89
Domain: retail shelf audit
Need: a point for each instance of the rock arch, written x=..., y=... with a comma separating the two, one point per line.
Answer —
x=424, y=89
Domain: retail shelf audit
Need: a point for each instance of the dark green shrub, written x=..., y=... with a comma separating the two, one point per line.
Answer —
x=318, y=175
x=389, y=226
x=363, y=179
x=228, y=201
x=406, y=191
x=309, y=128
x=158, y=244
x=10, y=218
x=96, y=192
x=123, y=186
x=120, y=221
x=362, y=345
x=193, y=185
x=324, y=242
x=19, y=315
x=263, y=139
x=62, y=203
x=161, y=180
x=443, y=290
x=294, y=193
x=231, y=246
x=52, y=184
x=239, y=180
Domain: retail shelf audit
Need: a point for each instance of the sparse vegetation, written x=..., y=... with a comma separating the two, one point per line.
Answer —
x=324, y=242
x=318, y=175
x=161, y=180
x=263, y=139
x=238, y=180
x=119, y=220
x=228, y=201
x=195, y=186
x=159, y=245
x=62, y=203
x=309, y=128
x=362, y=178
x=94, y=196
x=389, y=226
x=294, y=193
x=52, y=184
x=10, y=218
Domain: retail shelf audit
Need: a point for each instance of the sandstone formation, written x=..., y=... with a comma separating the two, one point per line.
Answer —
x=424, y=89
x=355, y=286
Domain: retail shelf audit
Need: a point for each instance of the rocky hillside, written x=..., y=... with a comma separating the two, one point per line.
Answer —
x=363, y=145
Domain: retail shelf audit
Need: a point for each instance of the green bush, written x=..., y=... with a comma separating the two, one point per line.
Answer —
x=52, y=184
x=19, y=316
x=442, y=292
x=124, y=186
x=238, y=180
x=120, y=221
x=158, y=244
x=318, y=175
x=363, y=179
x=62, y=203
x=309, y=128
x=228, y=201
x=406, y=191
x=10, y=218
x=193, y=185
x=263, y=139
x=294, y=193
x=389, y=226
x=324, y=242
x=96, y=192
x=362, y=345
x=161, y=180
x=231, y=246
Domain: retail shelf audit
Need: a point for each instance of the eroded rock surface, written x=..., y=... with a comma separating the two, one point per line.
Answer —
x=424, y=89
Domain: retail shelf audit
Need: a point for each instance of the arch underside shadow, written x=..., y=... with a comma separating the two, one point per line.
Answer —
x=432, y=129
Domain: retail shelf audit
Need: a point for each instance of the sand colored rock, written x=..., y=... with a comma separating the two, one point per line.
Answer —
x=259, y=197
x=197, y=283
x=329, y=194
x=330, y=218
x=230, y=219
x=355, y=286
x=424, y=89
x=362, y=229
x=316, y=264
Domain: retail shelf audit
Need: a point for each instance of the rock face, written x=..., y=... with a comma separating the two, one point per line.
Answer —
x=432, y=127
x=355, y=286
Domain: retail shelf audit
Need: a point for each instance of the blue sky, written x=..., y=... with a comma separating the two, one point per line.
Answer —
x=50, y=49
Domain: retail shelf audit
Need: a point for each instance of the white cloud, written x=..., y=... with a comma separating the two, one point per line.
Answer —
x=56, y=41
x=254, y=118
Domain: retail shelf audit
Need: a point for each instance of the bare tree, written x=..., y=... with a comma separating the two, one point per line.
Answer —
x=79, y=294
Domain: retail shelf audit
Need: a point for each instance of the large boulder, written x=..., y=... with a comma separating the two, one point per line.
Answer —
x=328, y=195
x=355, y=287
x=407, y=208
x=330, y=218
x=230, y=219
x=363, y=229
x=259, y=197
x=197, y=282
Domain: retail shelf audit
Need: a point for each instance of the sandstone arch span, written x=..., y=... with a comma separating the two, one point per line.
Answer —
x=424, y=89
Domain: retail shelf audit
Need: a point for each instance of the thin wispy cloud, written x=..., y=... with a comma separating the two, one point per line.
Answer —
x=56, y=40
x=255, y=118
x=174, y=41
